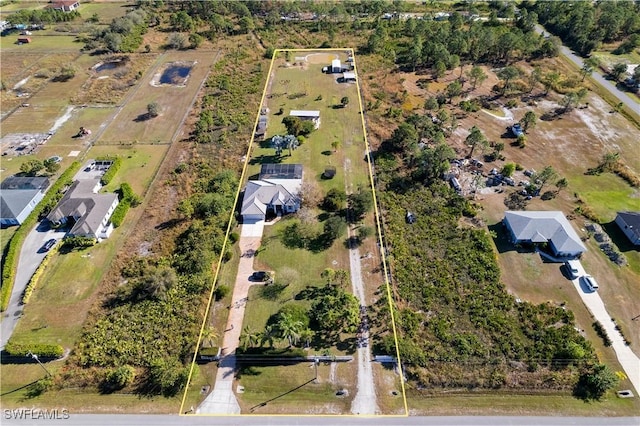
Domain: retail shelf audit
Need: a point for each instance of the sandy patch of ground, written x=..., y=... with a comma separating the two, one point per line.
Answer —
x=321, y=58
x=61, y=120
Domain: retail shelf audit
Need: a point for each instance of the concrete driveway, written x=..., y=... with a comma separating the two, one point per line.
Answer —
x=222, y=399
x=592, y=300
x=30, y=258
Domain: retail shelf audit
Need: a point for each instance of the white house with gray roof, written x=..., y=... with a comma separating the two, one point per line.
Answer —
x=19, y=196
x=276, y=191
x=537, y=227
x=88, y=211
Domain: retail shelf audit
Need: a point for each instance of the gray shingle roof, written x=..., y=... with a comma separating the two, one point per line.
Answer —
x=632, y=219
x=80, y=201
x=542, y=226
x=19, y=182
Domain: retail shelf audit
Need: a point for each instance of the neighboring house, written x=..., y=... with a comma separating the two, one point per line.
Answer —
x=261, y=128
x=336, y=66
x=65, y=5
x=313, y=116
x=86, y=211
x=629, y=223
x=550, y=227
x=276, y=191
x=19, y=196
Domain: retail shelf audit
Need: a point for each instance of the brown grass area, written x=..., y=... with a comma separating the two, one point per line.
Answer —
x=110, y=86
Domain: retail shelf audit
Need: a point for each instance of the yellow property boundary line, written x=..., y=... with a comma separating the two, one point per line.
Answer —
x=380, y=241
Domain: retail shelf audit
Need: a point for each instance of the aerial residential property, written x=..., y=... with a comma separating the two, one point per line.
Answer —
x=320, y=212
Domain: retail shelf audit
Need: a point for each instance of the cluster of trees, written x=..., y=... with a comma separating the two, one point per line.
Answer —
x=333, y=312
x=124, y=34
x=41, y=16
x=583, y=26
x=35, y=166
x=446, y=45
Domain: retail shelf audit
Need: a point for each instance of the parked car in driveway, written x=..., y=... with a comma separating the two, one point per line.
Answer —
x=572, y=267
x=590, y=282
x=50, y=243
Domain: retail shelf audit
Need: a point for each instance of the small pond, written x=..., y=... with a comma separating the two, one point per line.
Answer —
x=175, y=74
x=108, y=66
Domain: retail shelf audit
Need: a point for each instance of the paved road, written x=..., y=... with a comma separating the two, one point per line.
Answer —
x=608, y=85
x=162, y=420
x=628, y=360
x=30, y=259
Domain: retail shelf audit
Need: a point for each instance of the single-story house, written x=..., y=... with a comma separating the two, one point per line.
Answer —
x=550, y=227
x=349, y=77
x=65, y=5
x=313, y=116
x=275, y=191
x=336, y=66
x=19, y=196
x=87, y=211
x=629, y=223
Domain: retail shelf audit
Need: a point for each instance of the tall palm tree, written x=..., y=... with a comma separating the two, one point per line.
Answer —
x=306, y=335
x=269, y=336
x=289, y=328
x=248, y=337
x=210, y=334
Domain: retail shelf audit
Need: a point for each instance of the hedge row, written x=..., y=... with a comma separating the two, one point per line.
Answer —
x=119, y=213
x=12, y=253
x=127, y=199
x=272, y=352
x=113, y=169
x=35, y=278
x=41, y=349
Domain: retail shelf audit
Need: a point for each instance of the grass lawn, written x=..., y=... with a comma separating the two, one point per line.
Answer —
x=606, y=194
x=41, y=43
x=275, y=256
x=139, y=164
x=68, y=284
x=282, y=387
x=504, y=404
x=106, y=11
x=5, y=236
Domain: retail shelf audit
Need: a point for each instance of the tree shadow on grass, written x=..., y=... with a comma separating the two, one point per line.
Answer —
x=143, y=117
x=262, y=159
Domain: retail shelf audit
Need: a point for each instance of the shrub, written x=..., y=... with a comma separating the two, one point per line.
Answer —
x=79, y=242
x=522, y=141
x=35, y=278
x=508, y=169
x=512, y=103
x=602, y=333
x=119, y=213
x=519, y=167
x=115, y=166
x=234, y=237
x=121, y=377
x=41, y=349
x=221, y=291
x=153, y=109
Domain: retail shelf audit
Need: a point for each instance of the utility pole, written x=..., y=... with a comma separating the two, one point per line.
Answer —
x=34, y=356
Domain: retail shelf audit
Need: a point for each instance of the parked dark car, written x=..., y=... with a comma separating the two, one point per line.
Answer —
x=50, y=243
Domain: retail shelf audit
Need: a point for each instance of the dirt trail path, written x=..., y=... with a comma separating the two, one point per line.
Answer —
x=364, y=401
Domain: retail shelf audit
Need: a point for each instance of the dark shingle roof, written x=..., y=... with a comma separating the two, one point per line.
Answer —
x=280, y=171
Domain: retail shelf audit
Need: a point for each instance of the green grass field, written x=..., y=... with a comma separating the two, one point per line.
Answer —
x=41, y=43
x=139, y=164
x=281, y=387
x=606, y=194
